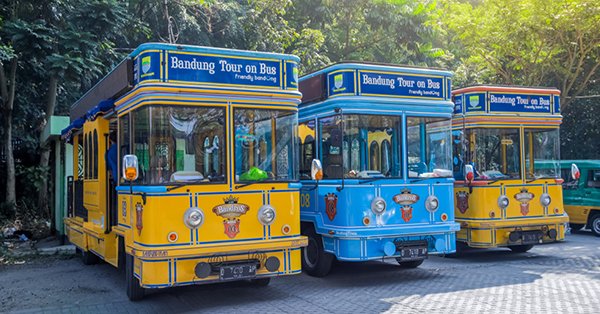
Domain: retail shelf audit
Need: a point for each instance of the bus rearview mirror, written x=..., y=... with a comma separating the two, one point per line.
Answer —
x=316, y=170
x=130, y=168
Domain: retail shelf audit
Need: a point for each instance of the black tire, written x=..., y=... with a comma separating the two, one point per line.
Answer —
x=89, y=258
x=594, y=224
x=575, y=227
x=121, y=255
x=461, y=247
x=410, y=264
x=315, y=261
x=260, y=282
x=135, y=292
x=520, y=248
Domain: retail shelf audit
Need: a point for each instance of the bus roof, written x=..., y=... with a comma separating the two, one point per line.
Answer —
x=160, y=63
x=506, y=102
x=365, y=79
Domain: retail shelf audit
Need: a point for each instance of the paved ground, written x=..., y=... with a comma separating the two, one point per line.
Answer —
x=562, y=277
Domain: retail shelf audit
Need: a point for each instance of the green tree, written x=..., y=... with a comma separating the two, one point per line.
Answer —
x=525, y=42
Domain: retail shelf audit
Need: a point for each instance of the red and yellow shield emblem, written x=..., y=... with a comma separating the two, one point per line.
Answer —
x=462, y=201
x=406, y=199
x=231, y=210
x=331, y=205
x=524, y=197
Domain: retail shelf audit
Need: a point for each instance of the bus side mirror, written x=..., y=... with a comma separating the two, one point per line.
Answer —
x=316, y=170
x=469, y=173
x=575, y=174
x=130, y=168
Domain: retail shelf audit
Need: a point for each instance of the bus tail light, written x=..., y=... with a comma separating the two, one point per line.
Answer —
x=139, y=211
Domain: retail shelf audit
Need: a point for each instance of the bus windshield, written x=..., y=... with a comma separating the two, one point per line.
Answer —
x=542, y=146
x=495, y=153
x=177, y=144
x=429, y=145
x=265, y=145
x=370, y=146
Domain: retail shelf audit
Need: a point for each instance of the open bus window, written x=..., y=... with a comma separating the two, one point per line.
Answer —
x=307, y=148
x=171, y=147
x=495, y=153
x=593, y=180
x=265, y=148
x=372, y=146
x=542, y=147
x=429, y=145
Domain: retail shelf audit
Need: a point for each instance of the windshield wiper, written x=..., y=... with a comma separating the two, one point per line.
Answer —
x=182, y=184
x=367, y=180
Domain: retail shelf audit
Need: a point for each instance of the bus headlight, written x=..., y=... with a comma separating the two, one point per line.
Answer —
x=545, y=199
x=266, y=214
x=503, y=201
x=378, y=205
x=193, y=217
x=432, y=203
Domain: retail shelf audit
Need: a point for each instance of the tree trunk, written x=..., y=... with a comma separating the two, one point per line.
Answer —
x=43, y=201
x=7, y=91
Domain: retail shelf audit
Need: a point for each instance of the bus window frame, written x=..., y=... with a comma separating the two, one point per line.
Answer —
x=226, y=170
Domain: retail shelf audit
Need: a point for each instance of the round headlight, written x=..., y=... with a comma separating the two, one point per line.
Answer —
x=266, y=214
x=432, y=203
x=193, y=217
x=503, y=201
x=545, y=199
x=378, y=205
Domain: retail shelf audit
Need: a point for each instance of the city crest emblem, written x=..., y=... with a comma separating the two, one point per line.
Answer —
x=406, y=199
x=331, y=205
x=146, y=64
x=474, y=101
x=295, y=74
x=524, y=197
x=462, y=201
x=231, y=210
x=338, y=81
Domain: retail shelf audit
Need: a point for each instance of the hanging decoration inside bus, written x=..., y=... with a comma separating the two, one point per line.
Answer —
x=401, y=85
x=519, y=103
x=341, y=83
x=406, y=199
x=524, y=197
x=231, y=210
x=199, y=68
x=474, y=102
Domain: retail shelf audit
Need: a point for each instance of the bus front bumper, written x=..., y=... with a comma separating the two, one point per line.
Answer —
x=509, y=232
x=161, y=267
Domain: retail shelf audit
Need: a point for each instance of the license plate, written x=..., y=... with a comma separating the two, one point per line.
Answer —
x=531, y=237
x=235, y=272
x=416, y=252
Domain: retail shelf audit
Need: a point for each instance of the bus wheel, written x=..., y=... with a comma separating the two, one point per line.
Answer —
x=89, y=258
x=260, y=282
x=411, y=264
x=315, y=261
x=520, y=248
x=575, y=227
x=134, y=290
x=595, y=224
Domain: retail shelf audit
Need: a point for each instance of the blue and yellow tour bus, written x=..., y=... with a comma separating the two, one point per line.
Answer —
x=186, y=168
x=375, y=164
x=504, y=197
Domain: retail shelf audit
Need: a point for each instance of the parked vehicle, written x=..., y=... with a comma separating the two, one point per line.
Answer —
x=582, y=195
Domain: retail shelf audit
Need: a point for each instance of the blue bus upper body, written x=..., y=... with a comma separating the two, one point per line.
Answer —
x=398, y=102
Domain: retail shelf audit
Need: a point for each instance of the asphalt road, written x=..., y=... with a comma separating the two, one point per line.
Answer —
x=562, y=277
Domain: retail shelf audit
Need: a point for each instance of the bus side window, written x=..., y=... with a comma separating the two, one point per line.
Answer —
x=306, y=131
x=593, y=180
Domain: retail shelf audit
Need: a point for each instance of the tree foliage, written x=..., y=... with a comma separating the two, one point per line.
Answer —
x=526, y=42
